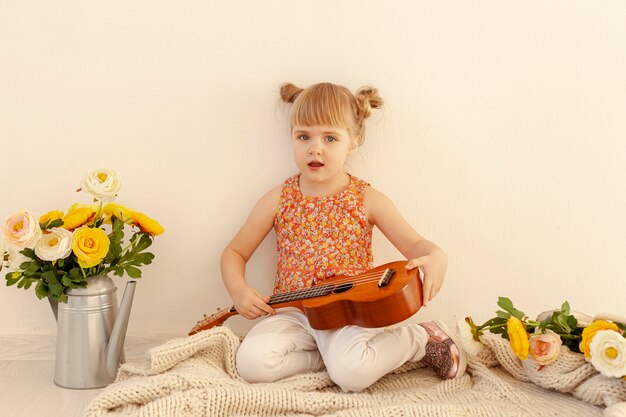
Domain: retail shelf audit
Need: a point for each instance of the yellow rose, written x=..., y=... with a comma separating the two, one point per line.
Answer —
x=78, y=215
x=90, y=245
x=518, y=338
x=50, y=216
x=146, y=224
x=118, y=210
x=590, y=331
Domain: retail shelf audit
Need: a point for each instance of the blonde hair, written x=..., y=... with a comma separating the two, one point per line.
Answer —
x=327, y=104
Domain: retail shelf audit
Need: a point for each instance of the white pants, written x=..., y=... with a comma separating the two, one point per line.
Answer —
x=355, y=357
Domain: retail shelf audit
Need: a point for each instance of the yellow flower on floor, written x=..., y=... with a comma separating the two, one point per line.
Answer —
x=590, y=331
x=146, y=224
x=518, y=338
x=90, y=245
x=78, y=215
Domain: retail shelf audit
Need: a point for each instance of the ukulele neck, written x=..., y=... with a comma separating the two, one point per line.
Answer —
x=311, y=292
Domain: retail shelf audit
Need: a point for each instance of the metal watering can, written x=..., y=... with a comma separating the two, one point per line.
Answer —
x=90, y=340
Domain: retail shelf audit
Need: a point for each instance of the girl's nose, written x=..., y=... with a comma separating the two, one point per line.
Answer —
x=315, y=148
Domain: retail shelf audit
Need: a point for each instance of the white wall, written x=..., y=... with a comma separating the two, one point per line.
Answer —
x=503, y=137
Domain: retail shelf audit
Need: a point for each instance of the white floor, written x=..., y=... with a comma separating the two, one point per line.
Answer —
x=27, y=386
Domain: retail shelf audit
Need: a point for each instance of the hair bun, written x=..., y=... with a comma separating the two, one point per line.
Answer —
x=289, y=92
x=367, y=98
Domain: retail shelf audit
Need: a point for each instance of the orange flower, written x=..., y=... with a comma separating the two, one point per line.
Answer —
x=78, y=215
x=146, y=224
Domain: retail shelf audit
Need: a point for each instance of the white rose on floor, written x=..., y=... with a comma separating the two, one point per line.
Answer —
x=608, y=353
x=54, y=245
x=467, y=338
x=22, y=230
x=102, y=183
x=545, y=347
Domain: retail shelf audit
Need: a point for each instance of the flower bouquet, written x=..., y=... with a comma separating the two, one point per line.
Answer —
x=562, y=350
x=58, y=251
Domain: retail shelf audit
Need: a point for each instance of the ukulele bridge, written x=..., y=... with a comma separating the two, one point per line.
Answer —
x=386, y=278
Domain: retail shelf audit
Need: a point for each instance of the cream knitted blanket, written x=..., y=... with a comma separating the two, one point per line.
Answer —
x=196, y=376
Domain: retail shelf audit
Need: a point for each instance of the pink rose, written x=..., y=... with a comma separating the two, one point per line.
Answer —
x=545, y=347
x=22, y=230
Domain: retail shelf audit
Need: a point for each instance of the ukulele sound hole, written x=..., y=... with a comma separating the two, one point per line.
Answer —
x=343, y=287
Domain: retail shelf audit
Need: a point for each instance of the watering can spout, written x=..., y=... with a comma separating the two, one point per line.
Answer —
x=115, y=346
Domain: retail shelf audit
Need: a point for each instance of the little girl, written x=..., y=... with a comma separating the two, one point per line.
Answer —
x=323, y=218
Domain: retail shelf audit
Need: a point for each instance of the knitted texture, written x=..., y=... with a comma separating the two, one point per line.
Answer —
x=570, y=373
x=196, y=376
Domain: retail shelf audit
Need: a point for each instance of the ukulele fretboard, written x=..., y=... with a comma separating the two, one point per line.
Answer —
x=316, y=291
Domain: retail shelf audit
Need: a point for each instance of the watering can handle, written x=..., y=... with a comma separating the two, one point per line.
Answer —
x=610, y=317
x=54, y=304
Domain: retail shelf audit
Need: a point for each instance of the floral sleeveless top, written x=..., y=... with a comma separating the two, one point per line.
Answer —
x=320, y=237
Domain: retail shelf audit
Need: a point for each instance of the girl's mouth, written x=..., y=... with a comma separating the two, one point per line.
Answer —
x=315, y=164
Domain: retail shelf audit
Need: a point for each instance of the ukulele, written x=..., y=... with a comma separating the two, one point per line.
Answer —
x=380, y=297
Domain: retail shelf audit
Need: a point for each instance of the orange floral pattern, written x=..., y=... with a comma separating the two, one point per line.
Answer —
x=320, y=237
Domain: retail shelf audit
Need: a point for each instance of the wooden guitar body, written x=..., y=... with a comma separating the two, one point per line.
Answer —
x=380, y=297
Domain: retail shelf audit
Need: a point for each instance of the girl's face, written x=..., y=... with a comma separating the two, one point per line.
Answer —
x=320, y=152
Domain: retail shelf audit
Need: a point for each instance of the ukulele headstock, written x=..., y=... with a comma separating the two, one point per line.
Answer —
x=214, y=320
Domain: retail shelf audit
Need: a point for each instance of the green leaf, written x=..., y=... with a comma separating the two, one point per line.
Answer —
x=144, y=242
x=31, y=267
x=503, y=314
x=50, y=224
x=75, y=274
x=28, y=283
x=41, y=290
x=29, y=253
x=50, y=277
x=56, y=223
x=12, y=278
x=133, y=272
x=57, y=289
x=67, y=281
x=507, y=305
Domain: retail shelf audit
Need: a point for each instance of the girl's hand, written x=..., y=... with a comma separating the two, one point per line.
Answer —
x=250, y=304
x=434, y=267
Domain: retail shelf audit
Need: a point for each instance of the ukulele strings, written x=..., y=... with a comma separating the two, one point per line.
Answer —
x=357, y=280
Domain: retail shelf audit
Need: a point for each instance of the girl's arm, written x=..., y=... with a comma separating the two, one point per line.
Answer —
x=382, y=213
x=247, y=300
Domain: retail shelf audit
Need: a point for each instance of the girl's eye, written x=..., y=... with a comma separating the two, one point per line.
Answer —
x=331, y=139
x=303, y=137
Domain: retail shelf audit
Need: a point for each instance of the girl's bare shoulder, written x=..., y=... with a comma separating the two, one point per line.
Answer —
x=271, y=198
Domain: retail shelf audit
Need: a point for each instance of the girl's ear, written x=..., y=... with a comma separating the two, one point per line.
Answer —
x=354, y=145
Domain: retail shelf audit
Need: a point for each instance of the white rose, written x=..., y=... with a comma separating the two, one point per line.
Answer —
x=22, y=230
x=54, y=245
x=102, y=183
x=545, y=347
x=608, y=353
x=467, y=338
